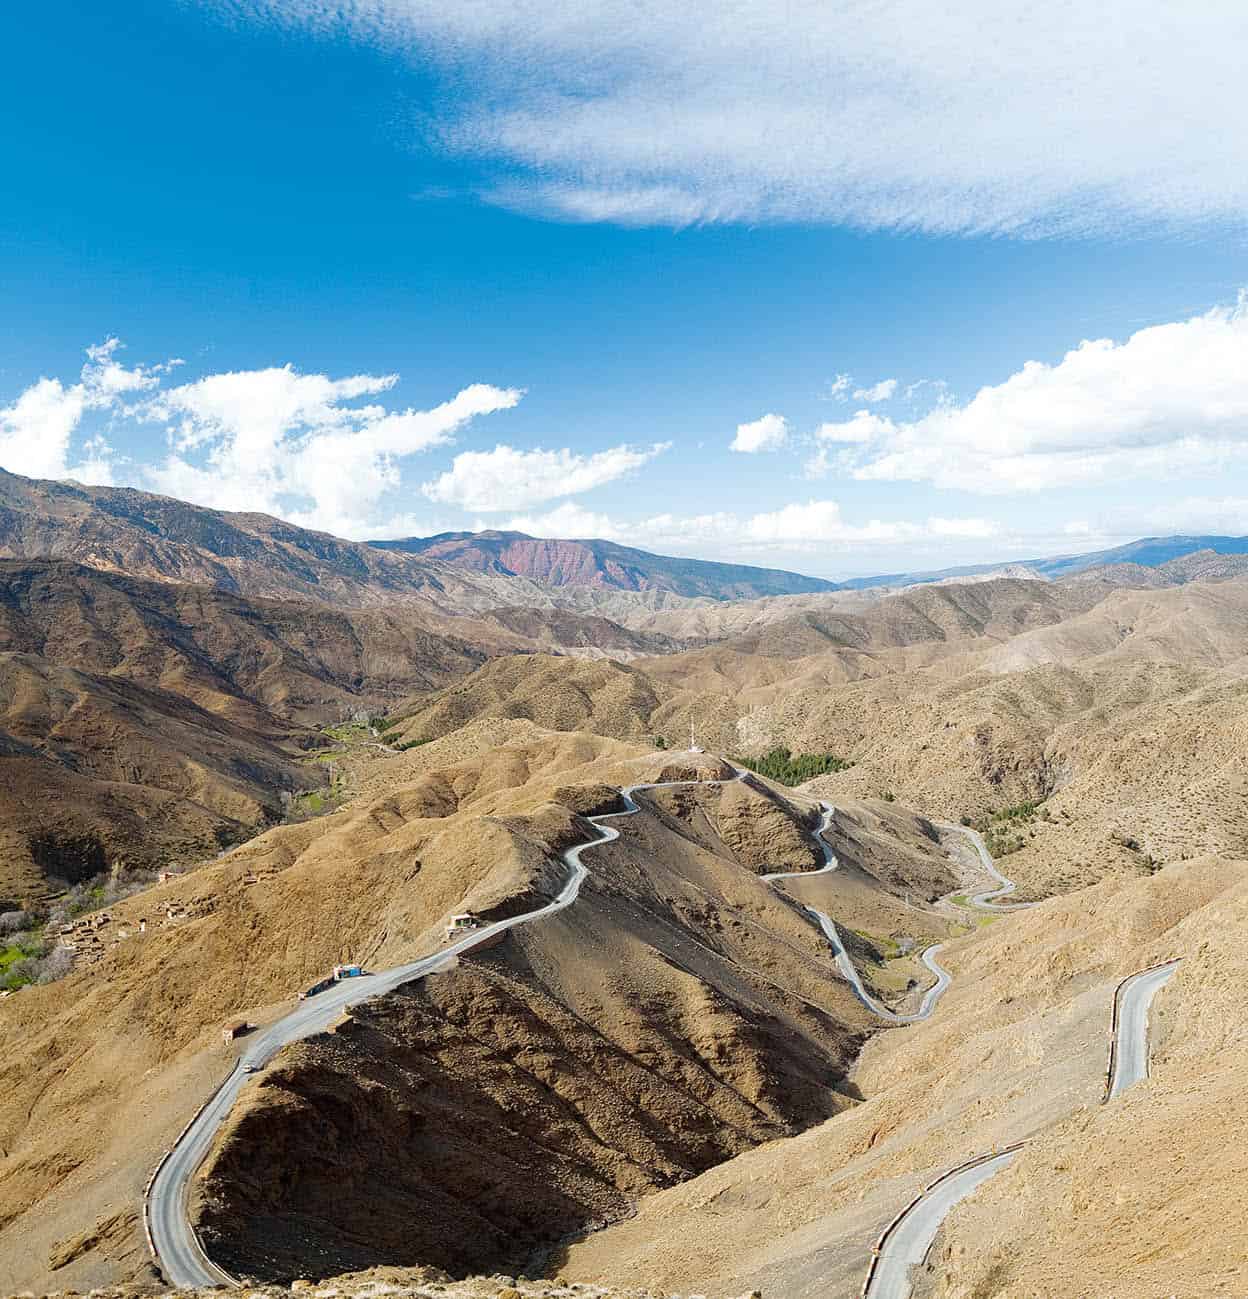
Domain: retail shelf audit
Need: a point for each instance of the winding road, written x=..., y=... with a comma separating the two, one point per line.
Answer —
x=843, y=962
x=985, y=901
x=907, y=1242
x=173, y=1240
x=175, y=1245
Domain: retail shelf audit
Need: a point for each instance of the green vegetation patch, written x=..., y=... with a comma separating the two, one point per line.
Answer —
x=346, y=732
x=794, y=769
x=1009, y=829
x=19, y=960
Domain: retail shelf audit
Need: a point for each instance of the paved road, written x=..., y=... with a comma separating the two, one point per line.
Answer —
x=985, y=900
x=1135, y=998
x=843, y=961
x=907, y=1245
x=178, y=1252
x=912, y=1238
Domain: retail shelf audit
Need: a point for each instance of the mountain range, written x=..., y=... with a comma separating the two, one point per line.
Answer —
x=270, y=751
x=158, y=537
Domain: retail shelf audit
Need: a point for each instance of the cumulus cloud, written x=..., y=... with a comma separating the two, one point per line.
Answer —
x=766, y=434
x=282, y=442
x=877, y=392
x=1171, y=399
x=568, y=520
x=38, y=429
x=305, y=446
x=818, y=110
x=509, y=479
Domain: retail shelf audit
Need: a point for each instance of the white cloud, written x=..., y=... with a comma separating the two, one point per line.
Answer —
x=281, y=442
x=508, y=479
x=1170, y=399
x=882, y=391
x=1101, y=117
x=35, y=430
x=838, y=389
x=38, y=429
x=302, y=446
x=1187, y=515
x=766, y=434
x=864, y=426
x=835, y=439
x=797, y=525
x=568, y=520
x=797, y=529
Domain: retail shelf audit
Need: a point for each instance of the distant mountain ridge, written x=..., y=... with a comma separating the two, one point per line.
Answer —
x=121, y=529
x=1147, y=552
x=592, y=562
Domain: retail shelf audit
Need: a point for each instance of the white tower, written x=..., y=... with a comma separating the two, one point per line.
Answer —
x=693, y=746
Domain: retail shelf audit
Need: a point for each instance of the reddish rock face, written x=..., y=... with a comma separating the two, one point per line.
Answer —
x=603, y=563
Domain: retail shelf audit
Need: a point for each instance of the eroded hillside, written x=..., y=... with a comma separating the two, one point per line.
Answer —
x=682, y=1011
x=1018, y=1046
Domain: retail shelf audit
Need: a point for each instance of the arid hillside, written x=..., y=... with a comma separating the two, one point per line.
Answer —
x=1017, y=1050
x=142, y=722
x=126, y=531
x=682, y=1011
x=1102, y=728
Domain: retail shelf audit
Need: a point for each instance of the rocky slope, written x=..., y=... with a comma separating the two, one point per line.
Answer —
x=1113, y=730
x=1017, y=1049
x=680, y=1012
x=603, y=564
x=145, y=721
x=126, y=531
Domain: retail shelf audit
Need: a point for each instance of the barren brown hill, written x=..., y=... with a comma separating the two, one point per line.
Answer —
x=681, y=1011
x=121, y=530
x=602, y=696
x=141, y=720
x=1113, y=1200
x=1124, y=719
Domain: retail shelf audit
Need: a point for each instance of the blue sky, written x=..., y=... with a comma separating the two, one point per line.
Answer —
x=493, y=264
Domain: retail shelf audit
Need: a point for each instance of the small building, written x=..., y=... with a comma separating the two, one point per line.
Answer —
x=348, y=971
x=462, y=924
x=236, y=1028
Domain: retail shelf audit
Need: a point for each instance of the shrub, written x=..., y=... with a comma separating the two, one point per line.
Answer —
x=13, y=922
x=41, y=965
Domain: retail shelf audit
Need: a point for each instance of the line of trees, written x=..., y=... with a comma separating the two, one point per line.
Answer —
x=793, y=769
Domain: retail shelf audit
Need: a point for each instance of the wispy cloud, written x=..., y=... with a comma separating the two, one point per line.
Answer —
x=1102, y=118
x=807, y=527
x=877, y=392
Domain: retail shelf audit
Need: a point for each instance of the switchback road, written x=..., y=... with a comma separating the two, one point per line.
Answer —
x=907, y=1243
x=177, y=1249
